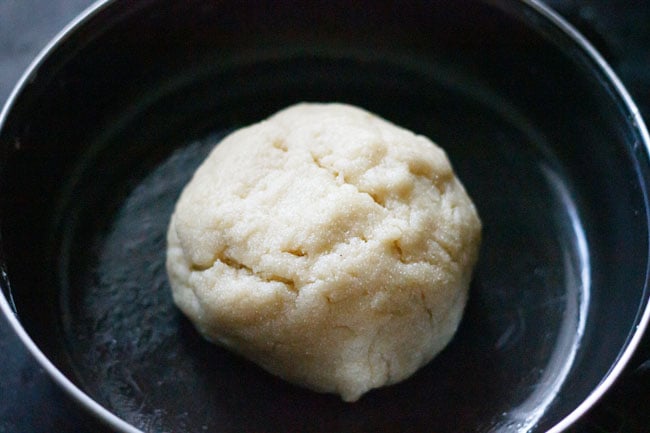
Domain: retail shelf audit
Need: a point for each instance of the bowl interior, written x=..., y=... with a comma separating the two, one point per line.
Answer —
x=99, y=145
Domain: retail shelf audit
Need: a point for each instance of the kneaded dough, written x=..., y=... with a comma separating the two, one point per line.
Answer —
x=327, y=245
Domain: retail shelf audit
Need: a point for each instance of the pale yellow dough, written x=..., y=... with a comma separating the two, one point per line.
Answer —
x=329, y=246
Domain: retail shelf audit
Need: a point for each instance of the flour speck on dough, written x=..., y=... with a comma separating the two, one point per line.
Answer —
x=327, y=245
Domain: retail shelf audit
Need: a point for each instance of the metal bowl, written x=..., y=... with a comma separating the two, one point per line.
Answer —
x=109, y=122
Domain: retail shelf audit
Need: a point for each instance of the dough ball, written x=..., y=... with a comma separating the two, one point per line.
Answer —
x=327, y=245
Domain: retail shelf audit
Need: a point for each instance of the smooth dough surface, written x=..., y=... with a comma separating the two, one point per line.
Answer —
x=329, y=246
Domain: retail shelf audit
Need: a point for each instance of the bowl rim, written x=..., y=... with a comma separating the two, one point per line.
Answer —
x=546, y=12
x=635, y=118
x=7, y=305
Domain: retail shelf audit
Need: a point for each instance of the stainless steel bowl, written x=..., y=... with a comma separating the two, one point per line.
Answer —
x=110, y=120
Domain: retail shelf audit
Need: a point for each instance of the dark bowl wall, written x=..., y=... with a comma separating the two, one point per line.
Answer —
x=104, y=134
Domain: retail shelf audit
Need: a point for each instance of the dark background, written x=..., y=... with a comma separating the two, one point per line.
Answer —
x=31, y=402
